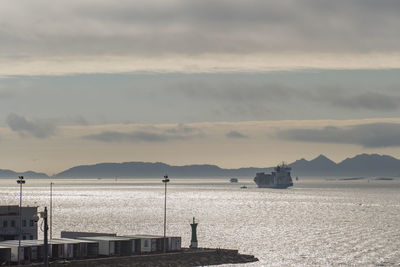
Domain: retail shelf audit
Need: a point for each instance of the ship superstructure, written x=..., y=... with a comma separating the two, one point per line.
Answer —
x=279, y=178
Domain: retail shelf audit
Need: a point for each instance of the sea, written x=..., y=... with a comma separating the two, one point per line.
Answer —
x=317, y=222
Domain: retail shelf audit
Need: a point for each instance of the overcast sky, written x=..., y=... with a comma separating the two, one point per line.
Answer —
x=232, y=83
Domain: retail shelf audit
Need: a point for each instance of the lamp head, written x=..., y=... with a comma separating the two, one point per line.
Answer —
x=20, y=180
x=35, y=218
x=166, y=180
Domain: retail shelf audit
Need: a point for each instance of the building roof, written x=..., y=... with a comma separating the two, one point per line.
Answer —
x=148, y=236
x=72, y=240
x=15, y=243
x=105, y=238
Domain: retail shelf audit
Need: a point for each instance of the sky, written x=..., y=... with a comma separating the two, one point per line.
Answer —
x=232, y=83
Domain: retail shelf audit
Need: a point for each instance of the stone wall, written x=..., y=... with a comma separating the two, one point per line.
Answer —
x=198, y=257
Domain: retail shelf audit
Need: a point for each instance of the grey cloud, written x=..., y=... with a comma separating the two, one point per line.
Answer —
x=256, y=99
x=237, y=98
x=80, y=120
x=186, y=98
x=366, y=135
x=235, y=91
x=38, y=129
x=137, y=136
x=181, y=132
x=71, y=120
x=196, y=27
x=243, y=93
x=235, y=134
x=364, y=100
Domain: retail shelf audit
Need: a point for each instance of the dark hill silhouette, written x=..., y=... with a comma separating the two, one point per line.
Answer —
x=321, y=166
x=317, y=166
x=360, y=165
x=148, y=169
x=13, y=174
x=373, y=164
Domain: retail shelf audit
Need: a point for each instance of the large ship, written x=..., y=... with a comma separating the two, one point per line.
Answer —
x=279, y=178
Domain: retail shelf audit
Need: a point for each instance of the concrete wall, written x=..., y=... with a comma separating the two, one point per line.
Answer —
x=186, y=258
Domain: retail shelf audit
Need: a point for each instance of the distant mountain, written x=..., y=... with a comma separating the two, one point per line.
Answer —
x=360, y=165
x=317, y=166
x=27, y=174
x=372, y=164
x=147, y=169
x=115, y=170
x=157, y=169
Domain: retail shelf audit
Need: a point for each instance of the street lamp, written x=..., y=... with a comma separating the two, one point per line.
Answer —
x=20, y=181
x=165, y=181
x=51, y=210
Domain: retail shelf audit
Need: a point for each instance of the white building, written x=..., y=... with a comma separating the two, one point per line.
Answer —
x=10, y=223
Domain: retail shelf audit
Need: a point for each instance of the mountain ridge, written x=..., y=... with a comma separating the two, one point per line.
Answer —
x=4, y=173
x=362, y=165
x=359, y=165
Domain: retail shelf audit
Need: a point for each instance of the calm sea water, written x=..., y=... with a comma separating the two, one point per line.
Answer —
x=316, y=223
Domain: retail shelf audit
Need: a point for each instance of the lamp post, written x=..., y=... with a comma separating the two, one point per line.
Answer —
x=51, y=210
x=20, y=181
x=45, y=240
x=165, y=181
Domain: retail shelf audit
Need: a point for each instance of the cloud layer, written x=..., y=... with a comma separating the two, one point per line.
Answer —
x=180, y=132
x=187, y=98
x=38, y=128
x=366, y=100
x=198, y=27
x=248, y=98
x=372, y=135
x=41, y=32
x=236, y=134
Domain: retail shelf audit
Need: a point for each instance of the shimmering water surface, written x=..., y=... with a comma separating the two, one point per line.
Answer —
x=317, y=222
